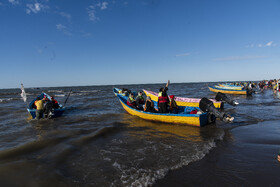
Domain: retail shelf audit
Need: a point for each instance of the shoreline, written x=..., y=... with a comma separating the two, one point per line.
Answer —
x=247, y=156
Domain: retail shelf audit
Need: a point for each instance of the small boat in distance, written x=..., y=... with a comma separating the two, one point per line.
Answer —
x=55, y=112
x=229, y=91
x=229, y=86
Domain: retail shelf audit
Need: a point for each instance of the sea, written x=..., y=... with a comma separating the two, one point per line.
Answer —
x=97, y=143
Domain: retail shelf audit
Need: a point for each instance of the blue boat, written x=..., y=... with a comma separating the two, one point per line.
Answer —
x=55, y=113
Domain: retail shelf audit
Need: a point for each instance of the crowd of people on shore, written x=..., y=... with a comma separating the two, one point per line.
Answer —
x=270, y=84
x=262, y=85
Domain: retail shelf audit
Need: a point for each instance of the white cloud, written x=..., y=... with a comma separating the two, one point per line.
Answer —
x=14, y=2
x=60, y=26
x=269, y=44
x=63, y=29
x=237, y=58
x=91, y=10
x=184, y=54
x=91, y=13
x=104, y=6
x=66, y=15
x=35, y=8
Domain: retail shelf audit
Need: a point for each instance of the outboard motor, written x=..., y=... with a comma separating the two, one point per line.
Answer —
x=207, y=106
x=222, y=97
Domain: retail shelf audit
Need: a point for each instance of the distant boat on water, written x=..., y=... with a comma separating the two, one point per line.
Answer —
x=229, y=91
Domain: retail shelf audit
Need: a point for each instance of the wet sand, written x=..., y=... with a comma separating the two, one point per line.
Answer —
x=246, y=157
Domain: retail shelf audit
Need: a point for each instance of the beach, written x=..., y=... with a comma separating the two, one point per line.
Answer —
x=96, y=143
x=247, y=156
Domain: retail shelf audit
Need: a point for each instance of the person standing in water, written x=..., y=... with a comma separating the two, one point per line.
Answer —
x=39, y=103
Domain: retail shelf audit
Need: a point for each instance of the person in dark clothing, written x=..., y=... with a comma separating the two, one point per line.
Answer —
x=149, y=105
x=47, y=107
x=140, y=101
x=173, y=107
x=163, y=99
x=55, y=104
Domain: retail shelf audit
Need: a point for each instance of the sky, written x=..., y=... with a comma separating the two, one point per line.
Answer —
x=48, y=43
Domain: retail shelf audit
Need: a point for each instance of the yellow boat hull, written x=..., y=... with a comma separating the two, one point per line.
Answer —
x=230, y=87
x=191, y=119
x=226, y=91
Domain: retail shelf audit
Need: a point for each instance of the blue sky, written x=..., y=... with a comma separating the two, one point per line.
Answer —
x=90, y=42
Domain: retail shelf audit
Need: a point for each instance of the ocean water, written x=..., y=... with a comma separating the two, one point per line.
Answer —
x=96, y=143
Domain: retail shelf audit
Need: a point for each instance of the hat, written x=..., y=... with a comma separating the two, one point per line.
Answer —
x=171, y=96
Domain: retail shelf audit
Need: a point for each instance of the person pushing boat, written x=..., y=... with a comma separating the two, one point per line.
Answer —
x=39, y=103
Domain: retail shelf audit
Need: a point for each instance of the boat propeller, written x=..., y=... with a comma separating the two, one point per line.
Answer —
x=207, y=106
x=222, y=97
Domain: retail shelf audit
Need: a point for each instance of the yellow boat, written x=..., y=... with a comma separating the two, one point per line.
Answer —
x=183, y=101
x=231, y=87
x=228, y=91
x=180, y=118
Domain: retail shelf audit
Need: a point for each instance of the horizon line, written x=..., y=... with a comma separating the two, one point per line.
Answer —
x=127, y=84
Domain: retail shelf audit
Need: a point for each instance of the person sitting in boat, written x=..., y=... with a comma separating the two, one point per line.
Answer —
x=140, y=101
x=39, y=103
x=55, y=104
x=163, y=99
x=149, y=105
x=173, y=107
x=131, y=101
